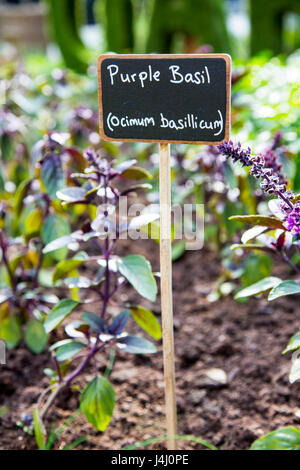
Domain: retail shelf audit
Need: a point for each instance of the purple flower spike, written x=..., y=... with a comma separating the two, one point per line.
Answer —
x=271, y=161
x=292, y=222
x=236, y=152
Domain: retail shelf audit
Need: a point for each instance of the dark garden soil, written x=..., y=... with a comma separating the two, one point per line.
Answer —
x=246, y=396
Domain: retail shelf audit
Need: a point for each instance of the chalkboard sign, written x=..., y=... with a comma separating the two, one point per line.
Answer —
x=165, y=98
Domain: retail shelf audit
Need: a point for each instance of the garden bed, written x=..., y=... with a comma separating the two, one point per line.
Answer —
x=251, y=397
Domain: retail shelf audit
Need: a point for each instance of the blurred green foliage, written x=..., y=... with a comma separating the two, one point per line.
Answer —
x=203, y=22
x=162, y=21
x=267, y=24
x=65, y=18
x=267, y=100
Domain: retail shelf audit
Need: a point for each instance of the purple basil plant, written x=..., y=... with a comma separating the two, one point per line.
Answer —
x=98, y=189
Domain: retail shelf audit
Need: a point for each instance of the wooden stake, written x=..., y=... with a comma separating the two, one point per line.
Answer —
x=166, y=292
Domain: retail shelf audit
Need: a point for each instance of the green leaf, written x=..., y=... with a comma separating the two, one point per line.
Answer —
x=255, y=268
x=55, y=226
x=63, y=268
x=283, y=289
x=137, y=270
x=71, y=194
x=142, y=221
x=30, y=105
x=52, y=174
x=75, y=443
x=282, y=439
x=20, y=194
x=294, y=343
x=2, y=178
x=10, y=331
x=136, y=345
x=97, y=402
x=251, y=246
x=94, y=321
x=136, y=187
x=59, y=313
x=261, y=220
x=261, y=286
x=152, y=230
x=136, y=173
x=39, y=430
x=295, y=371
x=34, y=222
x=59, y=243
x=5, y=294
x=119, y=323
x=68, y=350
x=35, y=336
x=121, y=167
x=75, y=328
x=146, y=320
x=253, y=232
x=178, y=249
x=59, y=343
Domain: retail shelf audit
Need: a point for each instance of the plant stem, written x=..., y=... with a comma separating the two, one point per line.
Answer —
x=39, y=265
x=107, y=278
x=85, y=361
x=105, y=295
x=107, y=254
x=56, y=365
x=290, y=263
x=280, y=195
x=41, y=254
x=285, y=200
x=51, y=399
x=3, y=246
x=69, y=379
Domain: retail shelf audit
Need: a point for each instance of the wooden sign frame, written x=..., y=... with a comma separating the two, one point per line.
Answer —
x=165, y=226
x=227, y=59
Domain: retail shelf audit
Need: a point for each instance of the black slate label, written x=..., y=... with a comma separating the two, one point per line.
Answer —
x=165, y=98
